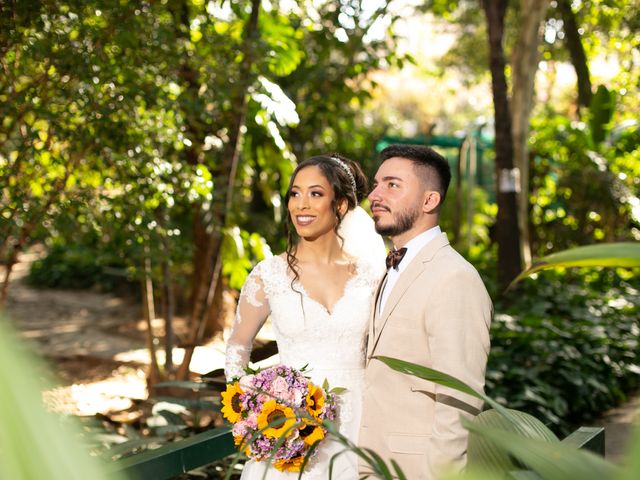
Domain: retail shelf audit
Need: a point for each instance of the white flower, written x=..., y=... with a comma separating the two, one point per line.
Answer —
x=246, y=382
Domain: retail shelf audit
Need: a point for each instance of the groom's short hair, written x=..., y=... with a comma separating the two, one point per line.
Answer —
x=431, y=167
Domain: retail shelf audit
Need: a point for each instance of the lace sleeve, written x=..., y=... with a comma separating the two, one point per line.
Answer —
x=253, y=309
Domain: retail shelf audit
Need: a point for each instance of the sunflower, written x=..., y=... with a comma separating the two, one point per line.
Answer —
x=315, y=400
x=240, y=442
x=232, y=407
x=292, y=465
x=276, y=420
x=311, y=433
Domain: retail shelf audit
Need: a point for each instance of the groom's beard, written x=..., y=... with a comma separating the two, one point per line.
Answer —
x=402, y=222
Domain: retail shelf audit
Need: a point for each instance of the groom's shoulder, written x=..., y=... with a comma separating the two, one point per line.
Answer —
x=454, y=261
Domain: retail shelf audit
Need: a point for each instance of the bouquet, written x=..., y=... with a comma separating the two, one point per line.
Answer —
x=277, y=415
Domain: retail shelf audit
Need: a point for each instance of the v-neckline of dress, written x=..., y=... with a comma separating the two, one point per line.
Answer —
x=304, y=292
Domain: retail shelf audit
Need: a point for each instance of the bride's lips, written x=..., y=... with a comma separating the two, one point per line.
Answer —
x=304, y=220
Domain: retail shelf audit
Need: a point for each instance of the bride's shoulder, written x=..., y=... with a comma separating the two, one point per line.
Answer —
x=369, y=270
x=270, y=265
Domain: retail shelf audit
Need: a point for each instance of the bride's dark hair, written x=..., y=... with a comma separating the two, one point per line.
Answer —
x=332, y=166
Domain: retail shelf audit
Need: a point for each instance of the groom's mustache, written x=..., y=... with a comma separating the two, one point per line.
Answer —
x=377, y=205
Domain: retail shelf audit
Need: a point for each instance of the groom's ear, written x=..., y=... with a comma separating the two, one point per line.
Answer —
x=432, y=201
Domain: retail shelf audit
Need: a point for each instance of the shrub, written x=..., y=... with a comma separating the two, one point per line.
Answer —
x=563, y=350
x=74, y=266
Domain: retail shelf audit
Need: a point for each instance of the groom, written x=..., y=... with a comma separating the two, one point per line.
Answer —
x=431, y=309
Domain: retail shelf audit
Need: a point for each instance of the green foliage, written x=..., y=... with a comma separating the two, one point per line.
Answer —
x=564, y=347
x=34, y=443
x=602, y=108
x=236, y=258
x=551, y=460
x=607, y=28
x=481, y=452
x=116, y=118
x=583, y=191
x=75, y=266
x=623, y=254
x=502, y=433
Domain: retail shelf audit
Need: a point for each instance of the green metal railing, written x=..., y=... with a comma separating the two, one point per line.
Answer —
x=202, y=449
x=179, y=457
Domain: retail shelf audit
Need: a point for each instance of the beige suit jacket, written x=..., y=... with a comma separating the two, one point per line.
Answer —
x=437, y=315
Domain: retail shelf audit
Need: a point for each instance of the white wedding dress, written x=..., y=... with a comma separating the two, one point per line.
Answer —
x=331, y=344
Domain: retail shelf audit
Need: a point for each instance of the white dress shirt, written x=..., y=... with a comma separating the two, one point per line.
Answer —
x=413, y=246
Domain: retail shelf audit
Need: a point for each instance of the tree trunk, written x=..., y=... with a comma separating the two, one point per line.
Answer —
x=212, y=262
x=153, y=376
x=576, y=51
x=507, y=232
x=168, y=297
x=524, y=65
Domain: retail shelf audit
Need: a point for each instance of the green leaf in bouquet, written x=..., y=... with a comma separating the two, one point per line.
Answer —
x=307, y=457
x=338, y=390
x=325, y=385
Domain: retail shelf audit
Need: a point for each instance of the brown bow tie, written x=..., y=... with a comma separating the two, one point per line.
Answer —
x=395, y=257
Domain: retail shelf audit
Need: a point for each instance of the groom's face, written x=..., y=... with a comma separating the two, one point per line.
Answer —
x=396, y=199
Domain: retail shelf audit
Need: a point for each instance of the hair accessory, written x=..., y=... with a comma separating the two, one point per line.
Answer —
x=349, y=173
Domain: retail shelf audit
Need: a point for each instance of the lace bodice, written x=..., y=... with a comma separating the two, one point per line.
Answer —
x=306, y=333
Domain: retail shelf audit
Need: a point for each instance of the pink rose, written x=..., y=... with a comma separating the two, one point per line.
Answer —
x=252, y=420
x=280, y=390
x=239, y=429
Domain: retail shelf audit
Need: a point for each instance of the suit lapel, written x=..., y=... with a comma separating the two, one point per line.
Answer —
x=374, y=314
x=415, y=268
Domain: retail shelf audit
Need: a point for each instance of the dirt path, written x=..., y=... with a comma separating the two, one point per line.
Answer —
x=82, y=335
x=618, y=424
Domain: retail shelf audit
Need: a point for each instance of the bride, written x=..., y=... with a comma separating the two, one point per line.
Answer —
x=318, y=294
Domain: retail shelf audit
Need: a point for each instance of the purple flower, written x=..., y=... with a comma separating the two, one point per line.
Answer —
x=290, y=387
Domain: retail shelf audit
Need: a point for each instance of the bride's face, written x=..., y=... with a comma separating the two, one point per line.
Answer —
x=310, y=203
